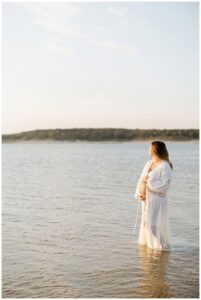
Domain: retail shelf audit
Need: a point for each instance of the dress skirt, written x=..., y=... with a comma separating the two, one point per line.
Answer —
x=154, y=227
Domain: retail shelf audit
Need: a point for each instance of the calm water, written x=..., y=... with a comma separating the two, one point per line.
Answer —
x=68, y=214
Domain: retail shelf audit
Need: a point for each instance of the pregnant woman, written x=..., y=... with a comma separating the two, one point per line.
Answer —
x=152, y=188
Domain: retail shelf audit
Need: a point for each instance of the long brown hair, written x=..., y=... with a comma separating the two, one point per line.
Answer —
x=160, y=150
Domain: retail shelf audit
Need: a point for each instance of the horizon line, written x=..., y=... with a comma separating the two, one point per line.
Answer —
x=101, y=128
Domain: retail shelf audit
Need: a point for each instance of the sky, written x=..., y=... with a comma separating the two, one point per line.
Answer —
x=100, y=64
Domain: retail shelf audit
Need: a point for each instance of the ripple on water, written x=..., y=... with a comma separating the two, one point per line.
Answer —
x=68, y=214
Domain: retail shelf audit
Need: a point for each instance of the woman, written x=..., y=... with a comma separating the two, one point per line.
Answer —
x=156, y=177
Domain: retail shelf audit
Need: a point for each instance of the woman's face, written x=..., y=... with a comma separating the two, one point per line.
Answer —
x=150, y=150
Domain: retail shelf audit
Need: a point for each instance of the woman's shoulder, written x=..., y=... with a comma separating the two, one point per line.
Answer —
x=165, y=165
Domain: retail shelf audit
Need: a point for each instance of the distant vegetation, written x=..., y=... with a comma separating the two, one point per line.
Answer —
x=104, y=134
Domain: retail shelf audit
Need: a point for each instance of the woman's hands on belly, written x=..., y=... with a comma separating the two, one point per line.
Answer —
x=142, y=197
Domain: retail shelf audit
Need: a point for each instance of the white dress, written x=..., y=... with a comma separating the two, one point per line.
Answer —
x=154, y=227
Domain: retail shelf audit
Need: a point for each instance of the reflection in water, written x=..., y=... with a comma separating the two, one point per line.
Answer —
x=153, y=265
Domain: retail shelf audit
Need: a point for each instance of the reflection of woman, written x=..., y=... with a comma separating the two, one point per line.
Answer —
x=154, y=282
x=156, y=175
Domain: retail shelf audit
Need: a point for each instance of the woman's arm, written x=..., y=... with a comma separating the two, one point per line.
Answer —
x=163, y=184
x=137, y=192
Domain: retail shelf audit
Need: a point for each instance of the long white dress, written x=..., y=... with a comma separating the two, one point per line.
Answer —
x=154, y=227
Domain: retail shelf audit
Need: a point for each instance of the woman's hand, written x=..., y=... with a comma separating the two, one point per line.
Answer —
x=142, y=197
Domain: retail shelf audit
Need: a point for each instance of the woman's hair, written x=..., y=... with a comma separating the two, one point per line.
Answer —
x=160, y=150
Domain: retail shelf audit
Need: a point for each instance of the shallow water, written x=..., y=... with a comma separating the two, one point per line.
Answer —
x=68, y=214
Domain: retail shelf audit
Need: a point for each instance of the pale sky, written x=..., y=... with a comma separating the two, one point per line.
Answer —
x=99, y=64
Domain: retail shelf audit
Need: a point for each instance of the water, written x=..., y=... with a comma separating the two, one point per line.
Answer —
x=68, y=214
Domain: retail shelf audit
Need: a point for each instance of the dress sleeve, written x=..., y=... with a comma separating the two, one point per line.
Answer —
x=162, y=184
x=137, y=192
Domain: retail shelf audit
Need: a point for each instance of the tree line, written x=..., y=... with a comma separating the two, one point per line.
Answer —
x=104, y=134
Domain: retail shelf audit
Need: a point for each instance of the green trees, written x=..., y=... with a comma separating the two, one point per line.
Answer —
x=104, y=134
